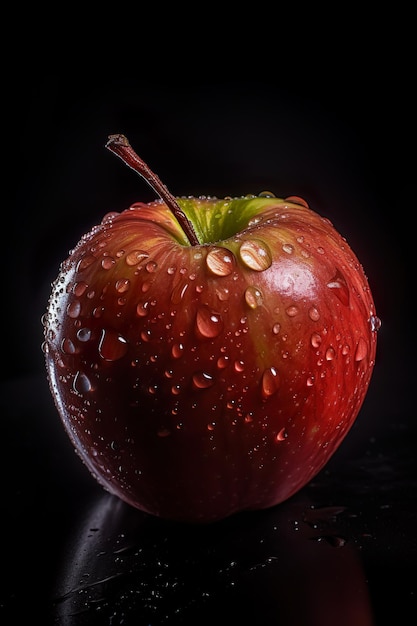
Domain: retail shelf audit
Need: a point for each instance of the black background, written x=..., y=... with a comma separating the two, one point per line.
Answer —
x=224, y=111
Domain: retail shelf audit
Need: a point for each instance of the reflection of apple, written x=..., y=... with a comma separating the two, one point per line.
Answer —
x=288, y=566
x=208, y=356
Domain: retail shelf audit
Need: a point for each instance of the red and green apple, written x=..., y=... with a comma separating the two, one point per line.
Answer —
x=208, y=356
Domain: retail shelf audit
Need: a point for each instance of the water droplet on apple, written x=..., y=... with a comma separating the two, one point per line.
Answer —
x=270, y=382
x=361, y=350
x=202, y=380
x=276, y=328
x=208, y=323
x=281, y=435
x=177, y=350
x=84, y=334
x=239, y=366
x=220, y=261
x=135, y=256
x=109, y=217
x=292, y=311
x=79, y=289
x=112, y=346
x=82, y=383
x=122, y=285
x=255, y=254
x=142, y=309
x=222, y=293
x=222, y=362
x=288, y=248
x=67, y=346
x=314, y=314
x=107, y=262
x=151, y=267
x=84, y=262
x=266, y=194
x=74, y=309
x=375, y=323
x=315, y=340
x=330, y=354
x=310, y=381
x=253, y=297
x=339, y=286
x=297, y=200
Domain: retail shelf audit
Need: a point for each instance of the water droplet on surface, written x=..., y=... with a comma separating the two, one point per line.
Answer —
x=79, y=289
x=292, y=311
x=282, y=435
x=85, y=262
x=135, y=257
x=266, y=194
x=313, y=314
x=339, y=286
x=222, y=293
x=67, y=346
x=84, y=334
x=122, y=285
x=253, y=297
x=202, y=380
x=270, y=382
x=256, y=255
x=330, y=354
x=222, y=362
x=109, y=217
x=220, y=261
x=297, y=200
x=107, y=262
x=112, y=346
x=315, y=340
x=82, y=383
x=151, y=267
x=177, y=350
x=288, y=248
x=142, y=309
x=361, y=350
x=276, y=328
x=239, y=366
x=74, y=309
x=375, y=323
x=208, y=323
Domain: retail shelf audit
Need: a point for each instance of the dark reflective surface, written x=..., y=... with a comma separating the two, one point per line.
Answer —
x=341, y=551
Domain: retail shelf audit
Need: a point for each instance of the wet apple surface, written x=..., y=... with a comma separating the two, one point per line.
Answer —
x=209, y=356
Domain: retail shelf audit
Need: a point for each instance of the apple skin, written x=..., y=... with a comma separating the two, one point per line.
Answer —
x=196, y=381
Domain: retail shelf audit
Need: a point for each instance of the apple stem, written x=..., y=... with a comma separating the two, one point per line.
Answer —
x=119, y=145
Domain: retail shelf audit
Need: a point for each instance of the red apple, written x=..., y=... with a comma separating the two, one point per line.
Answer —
x=208, y=356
